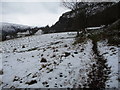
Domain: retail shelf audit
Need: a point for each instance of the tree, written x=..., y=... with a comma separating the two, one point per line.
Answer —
x=80, y=19
x=71, y=4
x=80, y=22
x=46, y=29
x=32, y=31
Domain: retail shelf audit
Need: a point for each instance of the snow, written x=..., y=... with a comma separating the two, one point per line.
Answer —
x=66, y=64
x=91, y=28
x=111, y=54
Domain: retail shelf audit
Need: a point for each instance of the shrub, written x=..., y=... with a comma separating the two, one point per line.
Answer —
x=80, y=40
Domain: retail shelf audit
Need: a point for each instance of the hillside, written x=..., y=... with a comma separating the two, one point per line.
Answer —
x=51, y=61
x=10, y=27
x=97, y=14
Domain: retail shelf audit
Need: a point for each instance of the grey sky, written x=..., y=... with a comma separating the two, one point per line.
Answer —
x=32, y=13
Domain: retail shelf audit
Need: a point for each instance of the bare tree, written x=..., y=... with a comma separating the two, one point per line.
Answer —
x=75, y=5
x=71, y=4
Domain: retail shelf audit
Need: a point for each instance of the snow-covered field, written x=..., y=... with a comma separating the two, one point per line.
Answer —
x=51, y=61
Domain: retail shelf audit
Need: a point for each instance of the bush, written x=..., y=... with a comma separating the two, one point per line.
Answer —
x=112, y=36
x=114, y=41
x=80, y=40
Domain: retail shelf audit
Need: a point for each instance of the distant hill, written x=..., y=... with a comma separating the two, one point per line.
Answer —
x=10, y=30
x=13, y=27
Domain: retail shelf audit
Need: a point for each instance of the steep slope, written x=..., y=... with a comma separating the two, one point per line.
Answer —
x=97, y=14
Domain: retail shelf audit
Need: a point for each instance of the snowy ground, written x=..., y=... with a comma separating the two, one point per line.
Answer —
x=111, y=54
x=50, y=60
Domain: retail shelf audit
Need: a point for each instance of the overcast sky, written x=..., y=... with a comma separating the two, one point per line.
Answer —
x=32, y=13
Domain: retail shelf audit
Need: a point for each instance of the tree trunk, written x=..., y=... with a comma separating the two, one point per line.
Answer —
x=78, y=33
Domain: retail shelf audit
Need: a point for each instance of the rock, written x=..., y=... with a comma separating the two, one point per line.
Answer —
x=16, y=78
x=44, y=83
x=14, y=49
x=72, y=55
x=44, y=49
x=60, y=85
x=43, y=66
x=65, y=45
x=51, y=70
x=47, y=85
x=43, y=60
x=75, y=52
x=12, y=87
x=61, y=75
x=31, y=82
x=82, y=50
x=67, y=54
x=23, y=46
x=41, y=55
x=1, y=72
x=53, y=56
x=20, y=81
x=34, y=76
